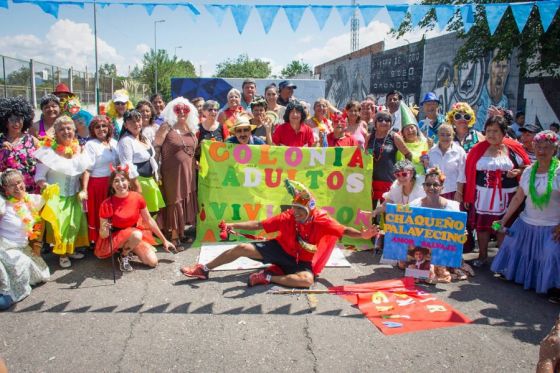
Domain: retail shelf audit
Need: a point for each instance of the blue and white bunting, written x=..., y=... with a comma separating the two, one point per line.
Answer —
x=467, y=14
x=418, y=12
x=345, y=12
x=494, y=14
x=321, y=14
x=369, y=12
x=149, y=8
x=267, y=14
x=397, y=14
x=217, y=11
x=240, y=15
x=547, y=10
x=521, y=13
x=4, y=4
x=444, y=14
x=294, y=14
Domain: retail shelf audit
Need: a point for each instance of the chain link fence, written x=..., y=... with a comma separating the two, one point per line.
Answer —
x=34, y=79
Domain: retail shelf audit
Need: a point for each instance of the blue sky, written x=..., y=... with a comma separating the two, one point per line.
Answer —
x=127, y=33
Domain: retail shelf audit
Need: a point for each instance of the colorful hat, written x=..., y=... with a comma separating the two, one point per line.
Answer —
x=430, y=97
x=70, y=105
x=62, y=88
x=301, y=196
x=121, y=95
x=242, y=121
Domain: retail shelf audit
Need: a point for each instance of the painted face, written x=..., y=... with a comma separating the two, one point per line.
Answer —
x=15, y=187
x=233, y=100
x=101, y=130
x=295, y=116
x=410, y=133
x=432, y=185
x=146, y=115
x=65, y=133
x=271, y=95
x=15, y=124
x=300, y=214
x=120, y=107
x=393, y=102
x=134, y=125
x=120, y=184
x=544, y=151
x=159, y=105
x=493, y=134
x=51, y=111
x=243, y=134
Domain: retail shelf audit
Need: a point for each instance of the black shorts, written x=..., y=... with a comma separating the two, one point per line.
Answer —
x=273, y=253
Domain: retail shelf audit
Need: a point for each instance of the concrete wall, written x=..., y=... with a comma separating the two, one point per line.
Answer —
x=539, y=98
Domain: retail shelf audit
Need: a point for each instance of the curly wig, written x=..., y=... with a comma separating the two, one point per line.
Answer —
x=18, y=106
x=461, y=107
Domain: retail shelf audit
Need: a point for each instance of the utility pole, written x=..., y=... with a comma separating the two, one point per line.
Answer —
x=355, y=29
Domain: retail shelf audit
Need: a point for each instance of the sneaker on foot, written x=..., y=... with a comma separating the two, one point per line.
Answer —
x=77, y=255
x=197, y=271
x=64, y=262
x=259, y=278
x=124, y=264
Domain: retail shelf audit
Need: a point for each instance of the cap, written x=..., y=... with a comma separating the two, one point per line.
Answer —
x=120, y=96
x=430, y=97
x=62, y=88
x=286, y=84
x=532, y=128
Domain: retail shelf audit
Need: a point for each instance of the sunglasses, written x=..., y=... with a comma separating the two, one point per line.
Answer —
x=240, y=130
x=432, y=185
x=120, y=103
x=459, y=116
x=386, y=120
x=401, y=173
x=181, y=109
x=15, y=119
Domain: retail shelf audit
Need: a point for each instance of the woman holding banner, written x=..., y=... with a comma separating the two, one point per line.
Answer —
x=530, y=254
x=433, y=186
x=178, y=142
x=228, y=116
x=492, y=170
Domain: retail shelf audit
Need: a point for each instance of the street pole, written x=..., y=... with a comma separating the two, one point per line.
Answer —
x=96, y=61
x=177, y=47
x=156, y=53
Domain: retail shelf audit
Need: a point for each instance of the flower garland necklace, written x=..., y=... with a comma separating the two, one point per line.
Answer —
x=29, y=216
x=542, y=200
x=64, y=150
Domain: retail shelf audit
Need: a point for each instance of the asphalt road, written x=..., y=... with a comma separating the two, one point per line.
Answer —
x=158, y=321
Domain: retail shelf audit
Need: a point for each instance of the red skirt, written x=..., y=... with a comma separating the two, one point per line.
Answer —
x=103, y=245
x=378, y=188
x=98, y=191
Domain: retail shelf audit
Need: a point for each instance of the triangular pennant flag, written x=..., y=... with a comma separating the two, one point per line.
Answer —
x=397, y=14
x=294, y=14
x=4, y=4
x=369, y=12
x=171, y=6
x=103, y=5
x=321, y=14
x=467, y=14
x=444, y=14
x=217, y=11
x=547, y=10
x=49, y=8
x=417, y=13
x=494, y=14
x=149, y=8
x=240, y=15
x=521, y=13
x=345, y=12
x=268, y=15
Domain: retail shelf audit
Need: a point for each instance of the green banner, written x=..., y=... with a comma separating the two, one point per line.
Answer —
x=246, y=182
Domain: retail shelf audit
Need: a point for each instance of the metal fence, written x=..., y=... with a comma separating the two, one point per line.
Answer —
x=34, y=79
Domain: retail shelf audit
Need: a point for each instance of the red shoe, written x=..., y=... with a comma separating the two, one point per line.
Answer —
x=197, y=271
x=259, y=278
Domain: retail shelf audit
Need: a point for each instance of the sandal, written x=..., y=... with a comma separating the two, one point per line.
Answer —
x=178, y=245
x=460, y=274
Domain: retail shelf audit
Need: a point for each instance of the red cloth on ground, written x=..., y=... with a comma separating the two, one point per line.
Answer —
x=285, y=135
x=476, y=153
x=320, y=230
x=97, y=190
x=346, y=140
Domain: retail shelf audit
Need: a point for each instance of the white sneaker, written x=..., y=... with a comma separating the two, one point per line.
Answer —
x=77, y=255
x=64, y=262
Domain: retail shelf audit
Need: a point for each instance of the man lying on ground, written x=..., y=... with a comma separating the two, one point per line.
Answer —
x=307, y=236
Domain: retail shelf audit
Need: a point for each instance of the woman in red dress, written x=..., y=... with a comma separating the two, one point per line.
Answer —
x=125, y=213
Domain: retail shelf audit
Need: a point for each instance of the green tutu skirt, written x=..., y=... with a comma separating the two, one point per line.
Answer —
x=67, y=224
x=151, y=193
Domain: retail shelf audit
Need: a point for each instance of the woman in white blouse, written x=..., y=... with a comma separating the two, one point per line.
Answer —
x=102, y=149
x=450, y=158
x=136, y=151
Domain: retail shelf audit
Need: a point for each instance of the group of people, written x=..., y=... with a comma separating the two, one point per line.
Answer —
x=114, y=181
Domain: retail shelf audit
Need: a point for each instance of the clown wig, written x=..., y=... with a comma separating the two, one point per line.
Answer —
x=171, y=117
x=111, y=111
x=461, y=107
x=17, y=106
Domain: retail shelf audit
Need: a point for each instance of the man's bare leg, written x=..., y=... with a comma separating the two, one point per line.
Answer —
x=302, y=279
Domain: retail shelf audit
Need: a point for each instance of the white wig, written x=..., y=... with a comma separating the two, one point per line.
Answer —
x=171, y=117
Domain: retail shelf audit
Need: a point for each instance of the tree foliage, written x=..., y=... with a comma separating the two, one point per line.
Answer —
x=295, y=68
x=109, y=70
x=167, y=68
x=538, y=51
x=243, y=67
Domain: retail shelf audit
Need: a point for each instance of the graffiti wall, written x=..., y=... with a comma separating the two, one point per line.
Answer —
x=347, y=80
x=482, y=84
x=400, y=69
x=539, y=98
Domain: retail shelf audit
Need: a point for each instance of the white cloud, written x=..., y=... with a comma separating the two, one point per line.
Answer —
x=68, y=44
x=306, y=39
x=274, y=67
x=375, y=32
